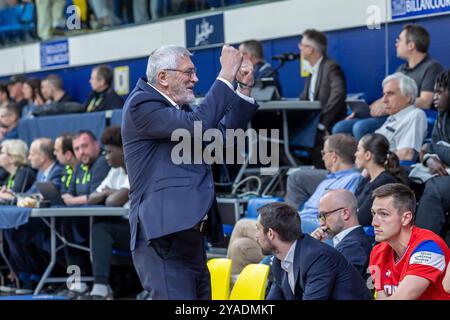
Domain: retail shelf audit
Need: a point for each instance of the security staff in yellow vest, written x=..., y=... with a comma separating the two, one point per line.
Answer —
x=66, y=156
x=89, y=173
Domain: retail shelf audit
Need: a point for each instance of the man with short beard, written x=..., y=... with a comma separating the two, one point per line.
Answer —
x=173, y=205
x=338, y=218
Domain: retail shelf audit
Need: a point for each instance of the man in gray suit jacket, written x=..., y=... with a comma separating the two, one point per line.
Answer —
x=326, y=84
x=172, y=205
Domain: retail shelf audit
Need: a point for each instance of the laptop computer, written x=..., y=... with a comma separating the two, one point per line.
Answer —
x=360, y=107
x=50, y=193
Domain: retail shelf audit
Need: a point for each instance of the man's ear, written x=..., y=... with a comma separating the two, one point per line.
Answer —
x=271, y=234
x=346, y=214
x=161, y=78
x=407, y=217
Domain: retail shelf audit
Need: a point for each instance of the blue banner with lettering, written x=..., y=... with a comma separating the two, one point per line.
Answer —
x=412, y=8
x=54, y=53
x=205, y=32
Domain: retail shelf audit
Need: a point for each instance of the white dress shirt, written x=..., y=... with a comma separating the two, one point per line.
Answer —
x=314, y=74
x=341, y=235
x=288, y=265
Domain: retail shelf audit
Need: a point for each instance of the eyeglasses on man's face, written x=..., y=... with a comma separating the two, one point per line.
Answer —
x=323, y=215
x=189, y=72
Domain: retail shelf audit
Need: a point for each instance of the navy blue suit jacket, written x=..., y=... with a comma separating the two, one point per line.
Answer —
x=168, y=197
x=356, y=248
x=320, y=273
x=54, y=176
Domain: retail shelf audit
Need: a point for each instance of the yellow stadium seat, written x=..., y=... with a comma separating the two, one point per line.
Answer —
x=251, y=283
x=220, y=270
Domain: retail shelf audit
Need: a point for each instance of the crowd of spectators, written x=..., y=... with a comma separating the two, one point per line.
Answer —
x=52, y=18
x=23, y=98
x=366, y=183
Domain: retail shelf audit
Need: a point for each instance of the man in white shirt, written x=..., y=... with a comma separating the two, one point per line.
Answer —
x=113, y=232
x=406, y=126
x=338, y=218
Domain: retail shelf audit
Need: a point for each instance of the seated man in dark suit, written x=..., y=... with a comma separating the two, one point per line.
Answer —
x=253, y=51
x=338, y=219
x=304, y=268
x=326, y=84
x=42, y=159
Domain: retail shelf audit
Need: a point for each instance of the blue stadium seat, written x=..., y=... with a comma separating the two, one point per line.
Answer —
x=227, y=229
x=16, y=21
x=369, y=231
x=255, y=203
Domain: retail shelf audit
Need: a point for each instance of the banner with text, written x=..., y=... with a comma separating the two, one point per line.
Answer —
x=54, y=53
x=413, y=8
x=205, y=32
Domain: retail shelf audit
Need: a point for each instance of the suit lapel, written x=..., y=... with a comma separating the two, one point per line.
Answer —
x=286, y=287
x=297, y=278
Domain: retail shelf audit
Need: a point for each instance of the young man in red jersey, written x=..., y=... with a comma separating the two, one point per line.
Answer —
x=409, y=262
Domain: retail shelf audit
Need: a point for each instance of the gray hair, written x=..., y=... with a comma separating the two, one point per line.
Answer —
x=165, y=57
x=408, y=86
x=17, y=149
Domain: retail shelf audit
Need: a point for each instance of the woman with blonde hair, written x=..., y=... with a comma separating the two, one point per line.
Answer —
x=13, y=158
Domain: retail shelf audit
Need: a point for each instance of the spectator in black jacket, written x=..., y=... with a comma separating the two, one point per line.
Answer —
x=380, y=167
x=9, y=119
x=15, y=88
x=103, y=97
x=4, y=95
x=53, y=89
x=435, y=201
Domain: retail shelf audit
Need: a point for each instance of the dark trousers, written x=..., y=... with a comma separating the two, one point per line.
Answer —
x=76, y=230
x=173, y=267
x=434, y=205
x=316, y=152
x=107, y=235
x=28, y=247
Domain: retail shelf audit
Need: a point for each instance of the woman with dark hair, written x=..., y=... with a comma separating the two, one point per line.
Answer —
x=380, y=166
x=32, y=93
x=4, y=95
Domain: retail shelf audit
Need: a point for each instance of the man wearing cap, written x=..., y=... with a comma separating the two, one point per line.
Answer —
x=15, y=88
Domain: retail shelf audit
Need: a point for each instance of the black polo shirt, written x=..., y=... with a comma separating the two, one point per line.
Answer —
x=424, y=73
x=87, y=178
